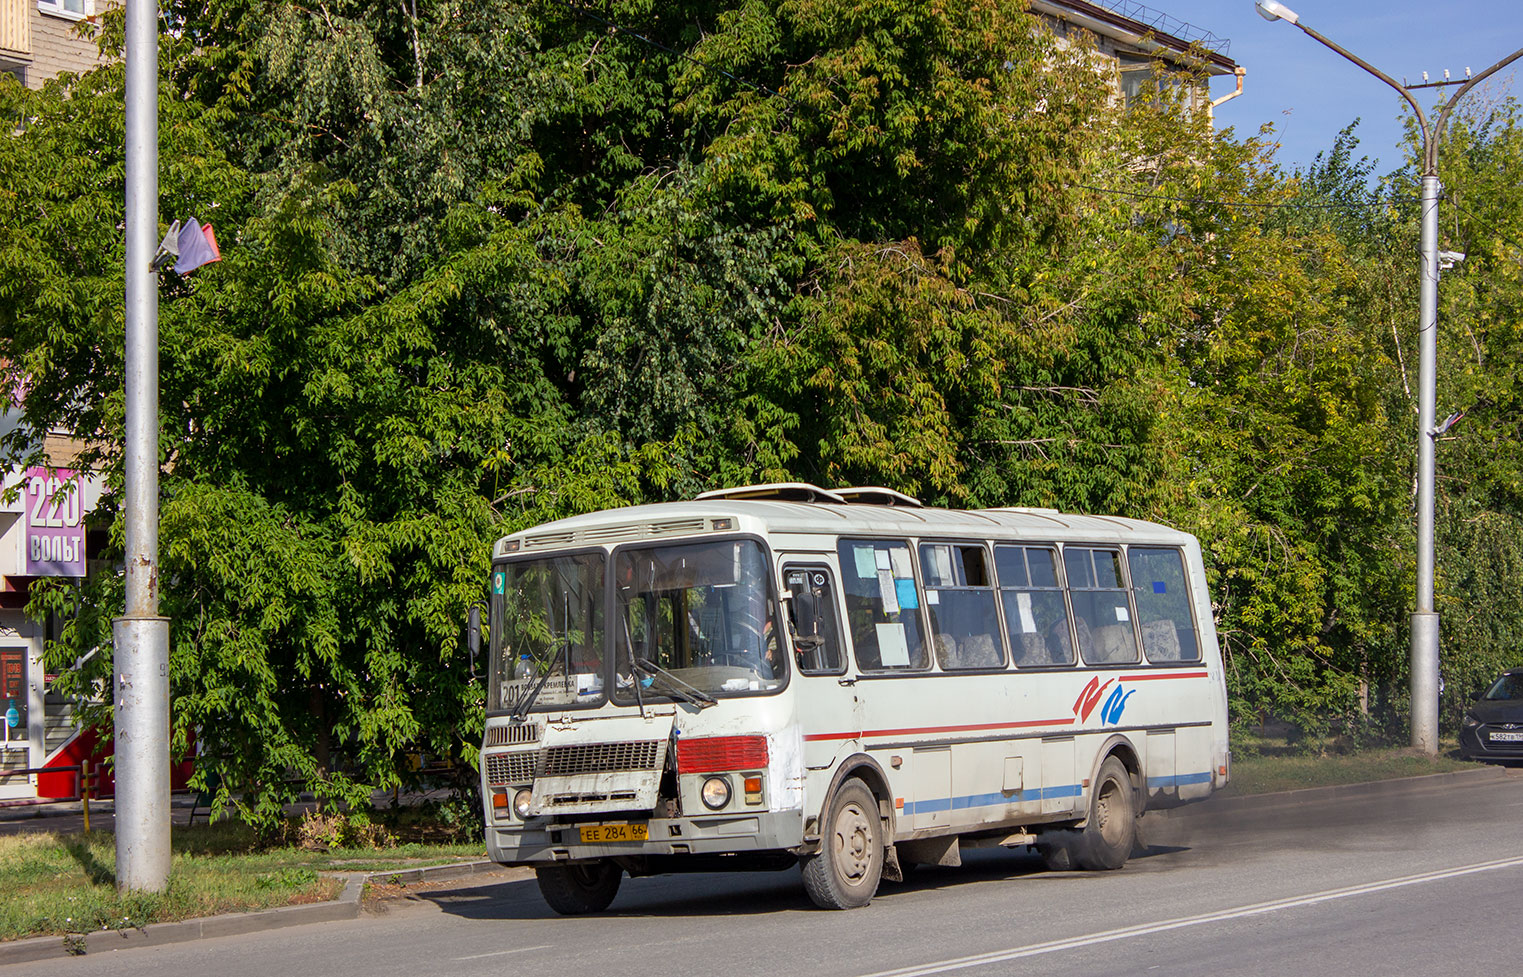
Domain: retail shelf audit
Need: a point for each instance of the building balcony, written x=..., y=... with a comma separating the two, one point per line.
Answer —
x=16, y=29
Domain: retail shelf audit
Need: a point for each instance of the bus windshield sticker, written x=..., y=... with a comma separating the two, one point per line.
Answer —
x=1023, y=605
x=887, y=592
x=1159, y=587
x=1121, y=614
x=893, y=651
x=882, y=558
x=931, y=596
x=905, y=591
x=866, y=568
x=900, y=560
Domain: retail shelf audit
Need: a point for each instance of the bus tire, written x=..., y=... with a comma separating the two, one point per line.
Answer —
x=844, y=873
x=585, y=887
x=1107, y=839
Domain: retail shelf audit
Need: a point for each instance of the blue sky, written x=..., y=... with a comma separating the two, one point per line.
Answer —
x=1309, y=93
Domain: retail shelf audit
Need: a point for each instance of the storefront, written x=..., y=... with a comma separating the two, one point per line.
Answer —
x=42, y=534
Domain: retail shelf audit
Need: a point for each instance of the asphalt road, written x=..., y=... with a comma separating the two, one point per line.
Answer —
x=1423, y=881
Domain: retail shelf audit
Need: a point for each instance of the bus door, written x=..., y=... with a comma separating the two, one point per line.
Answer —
x=829, y=710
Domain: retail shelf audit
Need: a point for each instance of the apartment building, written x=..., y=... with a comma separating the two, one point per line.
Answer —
x=1139, y=40
x=40, y=38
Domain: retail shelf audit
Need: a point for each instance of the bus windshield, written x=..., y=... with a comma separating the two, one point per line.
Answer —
x=547, y=632
x=702, y=614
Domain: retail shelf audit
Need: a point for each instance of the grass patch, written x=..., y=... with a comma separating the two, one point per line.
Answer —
x=66, y=883
x=1267, y=773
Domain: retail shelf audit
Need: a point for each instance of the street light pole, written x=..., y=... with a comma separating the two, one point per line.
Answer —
x=140, y=637
x=1424, y=651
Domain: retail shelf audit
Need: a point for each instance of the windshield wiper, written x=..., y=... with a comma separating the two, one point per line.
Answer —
x=673, y=684
x=522, y=709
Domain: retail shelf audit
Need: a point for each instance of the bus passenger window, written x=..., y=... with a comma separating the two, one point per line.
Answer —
x=812, y=620
x=959, y=597
x=1035, y=615
x=1163, y=604
x=1102, y=612
x=882, y=604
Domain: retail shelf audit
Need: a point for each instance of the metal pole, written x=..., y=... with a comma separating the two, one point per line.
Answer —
x=141, y=636
x=1424, y=658
x=1424, y=654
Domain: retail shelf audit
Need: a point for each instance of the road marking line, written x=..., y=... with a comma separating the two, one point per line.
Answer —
x=503, y=953
x=1146, y=929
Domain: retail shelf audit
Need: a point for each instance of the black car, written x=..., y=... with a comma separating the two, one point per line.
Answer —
x=1493, y=726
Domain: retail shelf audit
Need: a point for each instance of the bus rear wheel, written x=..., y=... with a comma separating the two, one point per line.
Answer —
x=844, y=873
x=586, y=887
x=1107, y=839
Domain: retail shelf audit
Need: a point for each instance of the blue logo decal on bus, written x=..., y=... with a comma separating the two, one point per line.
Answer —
x=1110, y=713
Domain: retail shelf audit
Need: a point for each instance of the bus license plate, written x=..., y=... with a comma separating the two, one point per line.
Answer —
x=1507, y=737
x=599, y=834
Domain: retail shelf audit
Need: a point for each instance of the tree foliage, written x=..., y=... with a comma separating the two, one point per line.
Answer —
x=491, y=264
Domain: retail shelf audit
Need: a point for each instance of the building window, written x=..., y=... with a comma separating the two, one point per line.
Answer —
x=73, y=9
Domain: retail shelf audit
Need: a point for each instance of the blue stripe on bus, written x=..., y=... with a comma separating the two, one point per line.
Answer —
x=1179, y=780
x=997, y=799
x=1001, y=798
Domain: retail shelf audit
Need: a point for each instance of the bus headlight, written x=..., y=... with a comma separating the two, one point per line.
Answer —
x=521, y=803
x=715, y=793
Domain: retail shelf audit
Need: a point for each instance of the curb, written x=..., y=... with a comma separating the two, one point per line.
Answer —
x=1311, y=795
x=346, y=906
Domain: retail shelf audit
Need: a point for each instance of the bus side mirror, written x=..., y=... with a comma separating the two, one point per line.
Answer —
x=473, y=634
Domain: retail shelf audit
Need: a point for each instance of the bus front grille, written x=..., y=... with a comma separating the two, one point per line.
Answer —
x=512, y=735
x=569, y=761
x=508, y=769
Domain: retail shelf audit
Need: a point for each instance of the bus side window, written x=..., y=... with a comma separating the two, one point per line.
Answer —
x=812, y=620
x=959, y=598
x=1035, y=614
x=1163, y=604
x=882, y=604
x=1102, y=612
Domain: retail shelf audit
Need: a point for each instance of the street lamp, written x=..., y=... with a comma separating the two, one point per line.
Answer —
x=1424, y=659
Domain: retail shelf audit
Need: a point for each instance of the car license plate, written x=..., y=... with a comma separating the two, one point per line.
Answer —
x=1506, y=737
x=598, y=834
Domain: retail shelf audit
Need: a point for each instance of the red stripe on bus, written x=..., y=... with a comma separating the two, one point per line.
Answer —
x=1157, y=676
x=912, y=731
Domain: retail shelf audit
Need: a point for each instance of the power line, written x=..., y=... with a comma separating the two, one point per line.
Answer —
x=1239, y=203
x=1483, y=222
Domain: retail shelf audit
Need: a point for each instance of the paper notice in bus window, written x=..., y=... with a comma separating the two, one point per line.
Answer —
x=893, y=652
x=1023, y=609
x=883, y=559
x=1122, y=615
x=933, y=597
x=866, y=568
x=900, y=558
x=908, y=598
x=943, y=564
x=887, y=592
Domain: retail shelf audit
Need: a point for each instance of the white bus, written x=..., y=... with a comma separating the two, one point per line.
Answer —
x=843, y=680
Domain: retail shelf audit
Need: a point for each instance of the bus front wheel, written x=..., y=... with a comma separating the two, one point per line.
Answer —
x=586, y=887
x=844, y=873
x=1106, y=841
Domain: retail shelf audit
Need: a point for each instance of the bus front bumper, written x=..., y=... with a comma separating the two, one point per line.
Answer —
x=531, y=843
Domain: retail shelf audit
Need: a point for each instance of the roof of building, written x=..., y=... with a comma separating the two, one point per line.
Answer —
x=1149, y=30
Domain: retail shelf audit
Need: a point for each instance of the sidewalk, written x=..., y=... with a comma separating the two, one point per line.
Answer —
x=17, y=817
